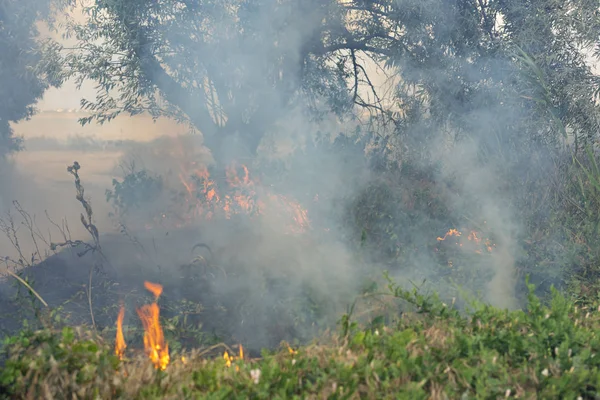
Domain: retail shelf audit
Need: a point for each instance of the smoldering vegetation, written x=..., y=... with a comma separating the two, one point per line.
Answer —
x=299, y=185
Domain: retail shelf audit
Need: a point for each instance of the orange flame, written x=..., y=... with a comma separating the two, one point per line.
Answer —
x=451, y=232
x=473, y=237
x=120, y=344
x=154, y=288
x=229, y=358
x=154, y=341
x=204, y=201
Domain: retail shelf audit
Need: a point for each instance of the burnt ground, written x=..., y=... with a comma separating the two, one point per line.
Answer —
x=245, y=283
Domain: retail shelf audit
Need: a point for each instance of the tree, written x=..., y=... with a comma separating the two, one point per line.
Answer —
x=21, y=84
x=229, y=67
x=233, y=67
x=517, y=67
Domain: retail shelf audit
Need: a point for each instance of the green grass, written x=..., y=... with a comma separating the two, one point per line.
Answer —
x=432, y=352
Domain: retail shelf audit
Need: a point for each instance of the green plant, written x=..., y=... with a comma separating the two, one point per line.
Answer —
x=135, y=190
x=430, y=351
x=39, y=361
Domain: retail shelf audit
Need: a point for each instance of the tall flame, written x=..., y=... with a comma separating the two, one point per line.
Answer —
x=154, y=341
x=120, y=344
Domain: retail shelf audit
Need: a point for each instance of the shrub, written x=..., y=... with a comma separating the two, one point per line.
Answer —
x=433, y=351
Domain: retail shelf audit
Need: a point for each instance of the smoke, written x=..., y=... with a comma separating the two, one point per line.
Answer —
x=262, y=283
x=480, y=195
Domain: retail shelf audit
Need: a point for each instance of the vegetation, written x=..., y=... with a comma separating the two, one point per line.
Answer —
x=478, y=169
x=23, y=79
x=431, y=352
x=504, y=88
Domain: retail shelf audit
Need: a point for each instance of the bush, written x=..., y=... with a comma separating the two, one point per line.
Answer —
x=433, y=351
x=136, y=189
x=46, y=364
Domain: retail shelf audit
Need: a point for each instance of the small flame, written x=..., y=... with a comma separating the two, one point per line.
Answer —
x=451, y=232
x=473, y=237
x=229, y=358
x=120, y=344
x=291, y=351
x=203, y=199
x=154, y=341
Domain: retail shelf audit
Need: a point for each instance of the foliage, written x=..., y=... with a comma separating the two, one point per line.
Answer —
x=430, y=352
x=261, y=57
x=136, y=189
x=575, y=225
x=460, y=65
x=508, y=81
x=44, y=357
x=23, y=83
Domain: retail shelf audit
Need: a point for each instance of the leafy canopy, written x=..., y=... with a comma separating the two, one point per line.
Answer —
x=235, y=67
x=21, y=84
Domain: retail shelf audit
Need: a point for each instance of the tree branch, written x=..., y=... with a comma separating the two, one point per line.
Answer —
x=355, y=67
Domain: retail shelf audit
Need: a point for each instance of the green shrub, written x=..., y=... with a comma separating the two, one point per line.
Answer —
x=434, y=351
x=136, y=189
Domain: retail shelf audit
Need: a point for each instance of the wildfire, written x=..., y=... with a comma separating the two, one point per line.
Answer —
x=473, y=237
x=299, y=215
x=243, y=197
x=120, y=344
x=154, y=341
x=451, y=232
x=155, y=345
x=229, y=358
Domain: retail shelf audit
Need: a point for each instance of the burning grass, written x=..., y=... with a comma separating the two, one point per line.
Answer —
x=474, y=240
x=244, y=195
x=199, y=193
x=155, y=345
x=120, y=344
x=437, y=354
x=545, y=352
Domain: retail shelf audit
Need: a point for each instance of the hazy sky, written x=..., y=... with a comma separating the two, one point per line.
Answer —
x=67, y=96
